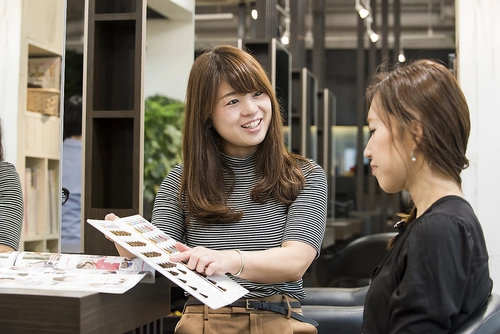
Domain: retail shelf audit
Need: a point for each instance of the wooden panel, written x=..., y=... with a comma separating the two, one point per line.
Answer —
x=43, y=135
x=113, y=115
x=49, y=15
x=40, y=311
x=114, y=65
x=110, y=7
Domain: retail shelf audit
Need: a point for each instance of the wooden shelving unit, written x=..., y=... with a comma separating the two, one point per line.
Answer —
x=327, y=109
x=38, y=146
x=113, y=131
x=304, y=125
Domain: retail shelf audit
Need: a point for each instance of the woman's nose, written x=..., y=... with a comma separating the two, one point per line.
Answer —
x=250, y=107
x=367, y=152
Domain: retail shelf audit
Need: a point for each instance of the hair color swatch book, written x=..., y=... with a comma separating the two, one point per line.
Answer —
x=72, y=272
x=149, y=243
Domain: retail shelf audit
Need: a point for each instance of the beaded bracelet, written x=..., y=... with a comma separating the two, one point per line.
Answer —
x=242, y=263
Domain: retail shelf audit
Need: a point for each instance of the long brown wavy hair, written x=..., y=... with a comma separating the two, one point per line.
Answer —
x=425, y=92
x=204, y=189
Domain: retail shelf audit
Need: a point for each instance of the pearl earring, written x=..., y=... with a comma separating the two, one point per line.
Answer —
x=413, y=157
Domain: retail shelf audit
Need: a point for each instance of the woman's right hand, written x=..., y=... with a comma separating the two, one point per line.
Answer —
x=122, y=251
x=111, y=216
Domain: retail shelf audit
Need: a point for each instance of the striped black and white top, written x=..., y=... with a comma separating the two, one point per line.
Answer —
x=262, y=226
x=11, y=206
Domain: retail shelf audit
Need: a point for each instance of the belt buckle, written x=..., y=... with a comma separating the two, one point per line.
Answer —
x=248, y=301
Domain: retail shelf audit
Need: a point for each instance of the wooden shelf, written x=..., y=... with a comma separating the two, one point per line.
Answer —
x=39, y=136
x=116, y=17
x=38, y=50
x=113, y=115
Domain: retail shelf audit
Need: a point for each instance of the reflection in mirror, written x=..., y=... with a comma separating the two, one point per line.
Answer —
x=72, y=174
x=71, y=155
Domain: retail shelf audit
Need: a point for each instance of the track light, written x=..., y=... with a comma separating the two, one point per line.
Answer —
x=285, y=38
x=373, y=35
x=362, y=11
x=255, y=14
x=401, y=56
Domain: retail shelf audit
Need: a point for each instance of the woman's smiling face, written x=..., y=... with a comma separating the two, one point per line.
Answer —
x=241, y=120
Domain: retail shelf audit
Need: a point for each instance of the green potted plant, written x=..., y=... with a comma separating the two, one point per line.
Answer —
x=163, y=121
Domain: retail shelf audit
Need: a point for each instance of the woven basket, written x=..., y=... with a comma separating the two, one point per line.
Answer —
x=43, y=100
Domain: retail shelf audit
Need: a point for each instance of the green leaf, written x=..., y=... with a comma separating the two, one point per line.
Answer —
x=163, y=122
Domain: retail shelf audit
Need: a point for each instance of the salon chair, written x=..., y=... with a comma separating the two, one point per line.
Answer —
x=349, y=319
x=343, y=279
x=485, y=321
x=337, y=310
x=331, y=296
x=352, y=265
x=335, y=319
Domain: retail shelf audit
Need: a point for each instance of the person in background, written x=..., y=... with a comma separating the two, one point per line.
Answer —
x=11, y=204
x=241, y=203
x=435, y=275
x=72, y=175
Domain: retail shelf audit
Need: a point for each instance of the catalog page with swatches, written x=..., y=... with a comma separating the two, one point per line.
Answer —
x=72, y=272
x=149, y=243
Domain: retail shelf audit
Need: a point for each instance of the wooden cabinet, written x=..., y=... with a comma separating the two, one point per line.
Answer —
x=138, y=310
x=114, y=107
x=327, y=109
x=304, y=113
x=39, y=135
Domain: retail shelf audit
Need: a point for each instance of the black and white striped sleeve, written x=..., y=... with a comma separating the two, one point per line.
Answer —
x=11, y=206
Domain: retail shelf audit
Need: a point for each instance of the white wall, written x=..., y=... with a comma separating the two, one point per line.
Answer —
x=10, y=46
x=169, y=48
x=169, y=57
x=478, y=63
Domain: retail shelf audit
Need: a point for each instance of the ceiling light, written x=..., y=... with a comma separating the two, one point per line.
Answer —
x=255, y=14
x=285, y=39
x=373, y=36
x=214, y=16
x=401, y=57
x=362, y=11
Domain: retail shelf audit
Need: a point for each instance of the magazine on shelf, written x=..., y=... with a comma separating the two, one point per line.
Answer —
x=72, y=272
x=146, y=241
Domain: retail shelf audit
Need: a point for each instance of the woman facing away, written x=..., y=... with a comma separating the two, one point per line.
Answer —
x=241, y=203
x=11, y=204
x=435, y=275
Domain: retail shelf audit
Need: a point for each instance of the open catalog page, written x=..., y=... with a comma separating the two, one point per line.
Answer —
x=149, y=243
x=72, y=272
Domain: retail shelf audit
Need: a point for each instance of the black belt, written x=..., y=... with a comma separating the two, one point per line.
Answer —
x=250, y=304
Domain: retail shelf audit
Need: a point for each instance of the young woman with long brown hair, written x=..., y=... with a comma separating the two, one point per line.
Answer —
x=241, y=203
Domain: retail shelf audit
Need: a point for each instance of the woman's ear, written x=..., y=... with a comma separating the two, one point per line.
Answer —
x=418, y=132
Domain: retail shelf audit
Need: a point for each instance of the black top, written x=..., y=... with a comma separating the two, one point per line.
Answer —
x=434, y=277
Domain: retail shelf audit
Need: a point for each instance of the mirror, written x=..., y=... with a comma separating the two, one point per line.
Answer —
x=167, y=60
x=71, y=121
